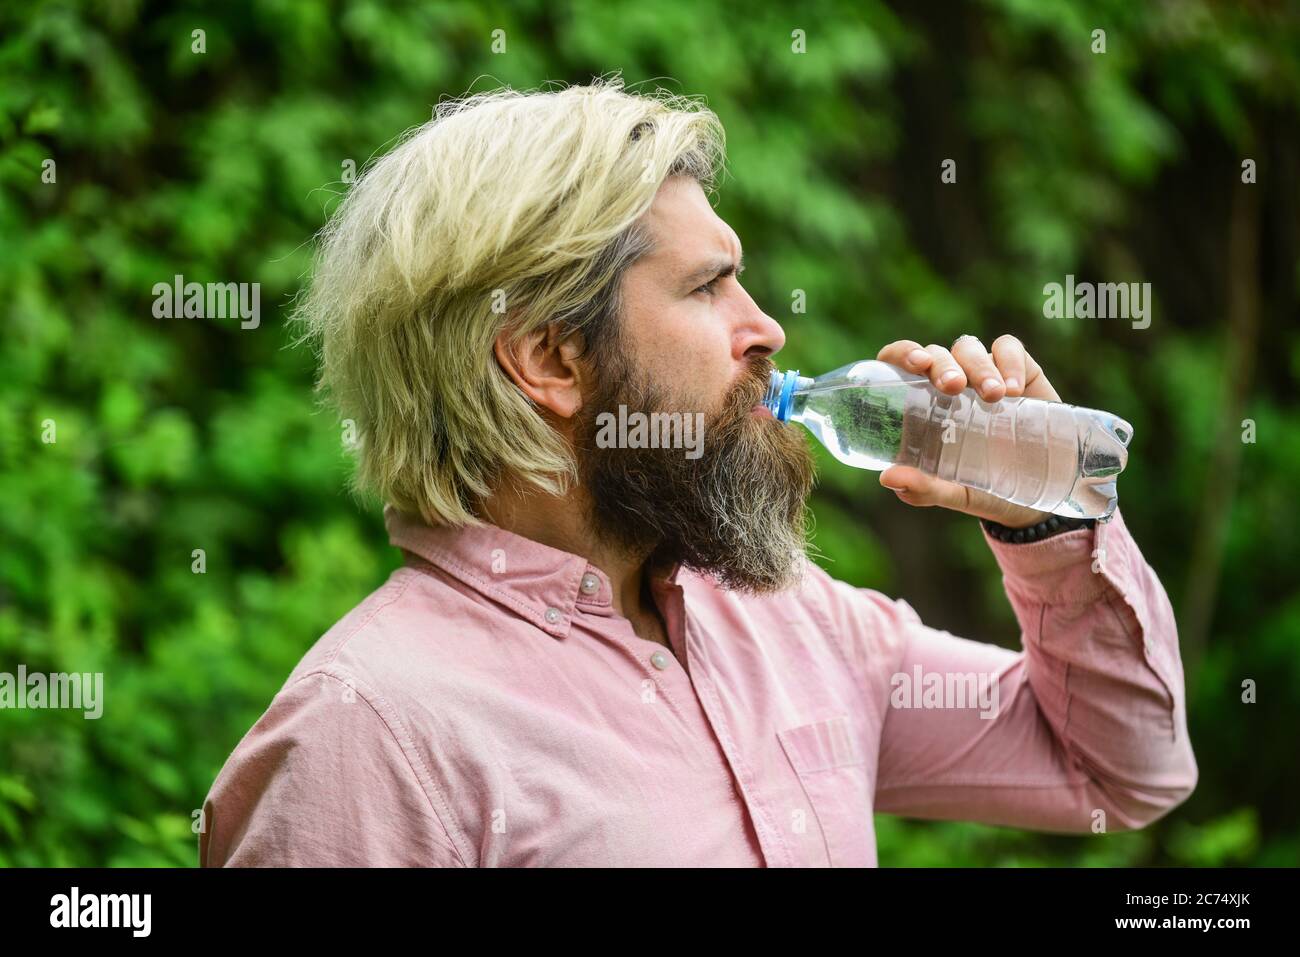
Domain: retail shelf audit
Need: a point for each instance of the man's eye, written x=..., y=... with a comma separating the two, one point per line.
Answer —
x=710, y=287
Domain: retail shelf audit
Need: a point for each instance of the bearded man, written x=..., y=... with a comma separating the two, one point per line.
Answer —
x=620, y=654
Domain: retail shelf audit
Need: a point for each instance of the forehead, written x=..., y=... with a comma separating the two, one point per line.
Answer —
x=684, y=226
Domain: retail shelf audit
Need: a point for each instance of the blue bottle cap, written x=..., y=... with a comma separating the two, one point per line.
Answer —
x=787, y=391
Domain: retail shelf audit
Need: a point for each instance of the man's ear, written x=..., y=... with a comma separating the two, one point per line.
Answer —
x=544, y=364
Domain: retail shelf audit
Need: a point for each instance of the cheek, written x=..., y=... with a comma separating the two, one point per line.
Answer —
x=703, y=370
x=687, y=348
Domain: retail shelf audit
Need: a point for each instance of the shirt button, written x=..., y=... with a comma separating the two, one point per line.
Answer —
x=659, y=660
x=552, y=615
x=590, y=584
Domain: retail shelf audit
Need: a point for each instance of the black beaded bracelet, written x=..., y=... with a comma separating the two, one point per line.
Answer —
x=1052, y=525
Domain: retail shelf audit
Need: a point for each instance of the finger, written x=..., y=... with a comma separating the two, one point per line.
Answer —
x=907, y=354
x=945, y=372
x=979, y=368
x=1036, y=384
x=1009, y=354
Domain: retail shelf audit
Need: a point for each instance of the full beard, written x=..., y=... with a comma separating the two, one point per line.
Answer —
x=736, y=514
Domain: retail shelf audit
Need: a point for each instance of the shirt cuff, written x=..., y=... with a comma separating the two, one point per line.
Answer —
x=1069, y=567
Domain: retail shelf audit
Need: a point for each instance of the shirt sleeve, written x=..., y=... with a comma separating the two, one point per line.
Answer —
x=323, y=779
x=1089, y=729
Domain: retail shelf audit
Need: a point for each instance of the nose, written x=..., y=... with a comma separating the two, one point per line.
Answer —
x=759, y=334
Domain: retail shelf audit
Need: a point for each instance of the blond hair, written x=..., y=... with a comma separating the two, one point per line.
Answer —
x=522, y=200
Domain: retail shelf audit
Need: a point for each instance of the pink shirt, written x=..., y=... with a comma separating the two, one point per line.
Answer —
x=487, y=707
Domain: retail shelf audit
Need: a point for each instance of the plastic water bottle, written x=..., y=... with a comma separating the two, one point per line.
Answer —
x=1044, y=455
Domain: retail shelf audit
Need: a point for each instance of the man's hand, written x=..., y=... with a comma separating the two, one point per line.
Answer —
x=1009, y=371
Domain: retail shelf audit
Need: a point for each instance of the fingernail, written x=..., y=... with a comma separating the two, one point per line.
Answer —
x=1012, y=384
x=948, y=376
x=917, y=356
x=989, y=384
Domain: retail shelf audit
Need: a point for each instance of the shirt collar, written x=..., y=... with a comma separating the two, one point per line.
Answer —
x=542, y=584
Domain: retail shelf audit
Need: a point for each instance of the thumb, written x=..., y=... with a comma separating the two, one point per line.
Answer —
x=917, y=488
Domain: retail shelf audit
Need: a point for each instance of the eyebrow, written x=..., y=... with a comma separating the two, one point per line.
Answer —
x=716, y=269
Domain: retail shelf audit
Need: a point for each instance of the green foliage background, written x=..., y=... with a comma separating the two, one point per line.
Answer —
x=174, y=435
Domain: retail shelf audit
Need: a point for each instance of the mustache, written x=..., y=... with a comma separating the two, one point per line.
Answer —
x=752, y=387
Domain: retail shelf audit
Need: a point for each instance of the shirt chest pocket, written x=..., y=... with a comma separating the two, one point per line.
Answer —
x=835, y=825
